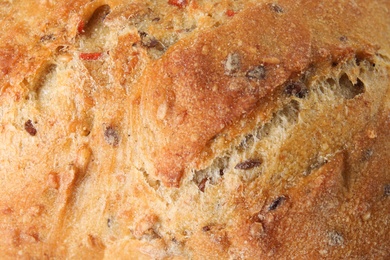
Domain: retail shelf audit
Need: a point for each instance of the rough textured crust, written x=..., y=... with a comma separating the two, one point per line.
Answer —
x=195, y=129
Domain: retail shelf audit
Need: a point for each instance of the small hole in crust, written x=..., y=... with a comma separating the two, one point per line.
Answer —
x=47, y=71
x=150, y=41
x=348, y=89
x=211, y=175
x=96, y=19
x=297, y=89
x=276, y=203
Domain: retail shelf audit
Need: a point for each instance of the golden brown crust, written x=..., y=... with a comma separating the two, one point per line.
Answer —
x=192, y=79
x=190, y=95
x=195, y=129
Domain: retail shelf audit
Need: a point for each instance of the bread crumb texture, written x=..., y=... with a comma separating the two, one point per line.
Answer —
x=194, y=129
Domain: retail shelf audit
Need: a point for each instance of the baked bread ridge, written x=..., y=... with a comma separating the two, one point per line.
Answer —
x=298, y=169
x=179, y=124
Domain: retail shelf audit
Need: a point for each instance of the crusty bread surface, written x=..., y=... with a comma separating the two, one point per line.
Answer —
x=195, y=129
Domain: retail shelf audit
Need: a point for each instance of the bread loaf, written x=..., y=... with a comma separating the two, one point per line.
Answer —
x=195, y=129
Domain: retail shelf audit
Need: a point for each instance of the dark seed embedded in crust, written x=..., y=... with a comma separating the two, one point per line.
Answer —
x=343, y=38
x=387, y=190
x=109, y=224
x=257, y=72
x=202, y=184
x=29, y=127
x=276, y=203
x=297, y=89
x=151, y=42
x=249, y=164
x=48, y=37
x=276, y=8
x=316, y=164
x=367, y=154
x=111, y=136
x=206, y=228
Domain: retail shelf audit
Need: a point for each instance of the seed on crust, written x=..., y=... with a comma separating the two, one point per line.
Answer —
x=276, y=203
x=111, y=136
x=29, y=127
x=232, y=64
x=249, y=164
x=257, y=72
x=297, y=89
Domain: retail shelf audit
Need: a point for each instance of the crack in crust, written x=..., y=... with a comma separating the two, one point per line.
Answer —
x=188, y=97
